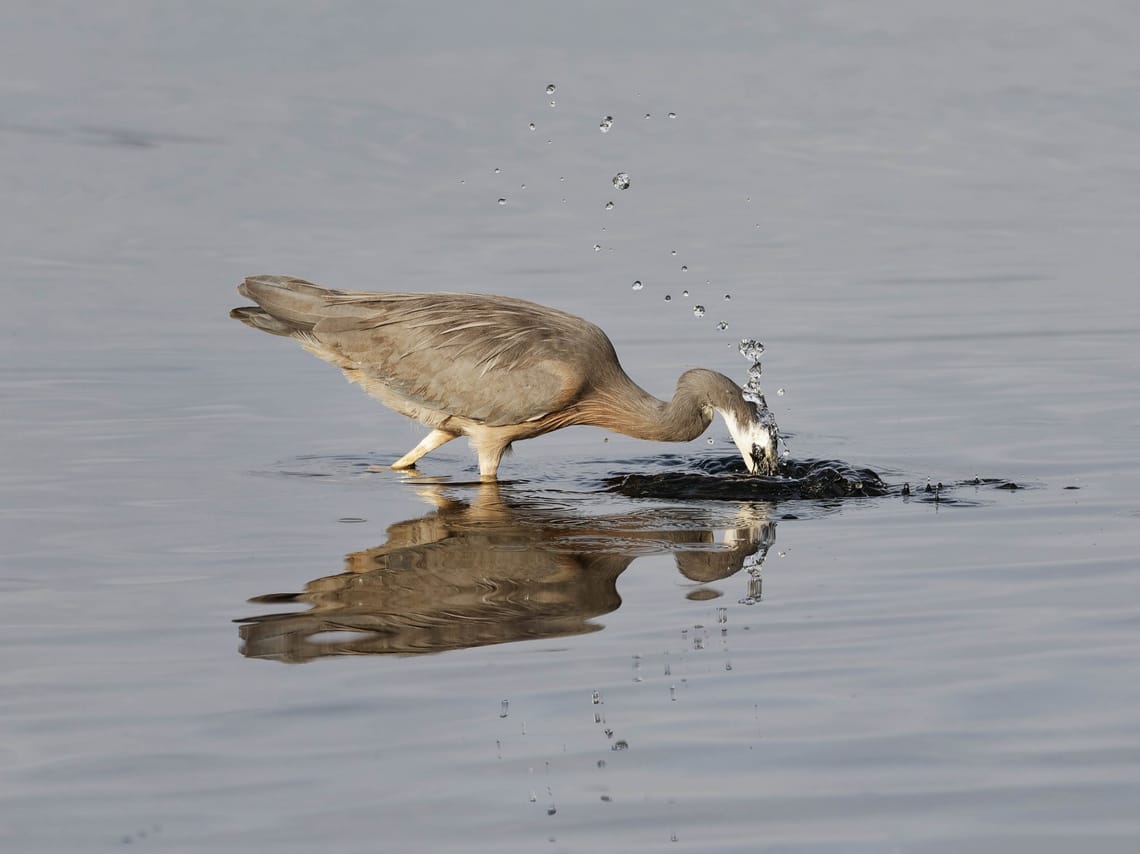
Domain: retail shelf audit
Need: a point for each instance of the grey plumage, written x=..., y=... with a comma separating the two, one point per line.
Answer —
x=493, y=368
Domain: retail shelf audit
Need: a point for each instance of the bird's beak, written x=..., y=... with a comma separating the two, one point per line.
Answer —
x=756, y=441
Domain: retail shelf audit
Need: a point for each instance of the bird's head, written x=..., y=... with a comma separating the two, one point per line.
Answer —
x=752, y=427
x=754, y=436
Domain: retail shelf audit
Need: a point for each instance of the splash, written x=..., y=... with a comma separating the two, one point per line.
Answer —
x=752, y=349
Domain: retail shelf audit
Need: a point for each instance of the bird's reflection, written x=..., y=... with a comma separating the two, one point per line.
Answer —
x=493, y=570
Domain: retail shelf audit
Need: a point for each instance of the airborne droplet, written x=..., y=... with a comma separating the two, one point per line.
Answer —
x=549, y=88
x=609, y=206
x=597, y=247
x=723, y=325
x=531, y=126
x=751, y=349
x=637, y=286
x=607, y=123
x=621, y=180
x=698, y=311
x=502, y=201
x=672, y=115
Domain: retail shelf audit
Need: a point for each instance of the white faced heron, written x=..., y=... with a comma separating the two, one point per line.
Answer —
x=494, y=369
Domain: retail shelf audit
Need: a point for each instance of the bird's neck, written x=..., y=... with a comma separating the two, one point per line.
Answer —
x=625, y=407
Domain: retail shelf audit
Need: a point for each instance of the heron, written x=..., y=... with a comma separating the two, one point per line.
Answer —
x=494, y=369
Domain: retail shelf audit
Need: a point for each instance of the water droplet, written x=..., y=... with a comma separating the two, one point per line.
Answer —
x=522, y=186
x=597, y=247
x=723, y=325
x=722, y=615
x=497, y=170
x=503, y=708
x=597, y=697
x=549, y=141
x=621, y=180
x=553, y=103
x=728, y=296
x=667, y=297
x=620, y=744
x=531, y=126
x=751, y=349
x=673, y=252
x=609, y=206
x=710, y=440
x=549, y=88
x=647, y=115
x=684, y=293
x=533, y=797
x=637, y=286
x=607, y=123
x=698, y=311
x=461, y=181
x=551, y=810
x=672, y=115
x=780, y=392
x=606, y=799
x=562, y=178
x=564, y=201
x=502, y=201
x=673, y=693
x=684, y=268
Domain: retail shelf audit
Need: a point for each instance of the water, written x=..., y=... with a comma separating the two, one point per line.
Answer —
x=939, y=252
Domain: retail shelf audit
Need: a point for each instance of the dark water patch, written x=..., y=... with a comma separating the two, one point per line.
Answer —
x=721, y=479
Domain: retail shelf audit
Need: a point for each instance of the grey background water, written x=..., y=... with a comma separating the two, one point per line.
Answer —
x=927, y=212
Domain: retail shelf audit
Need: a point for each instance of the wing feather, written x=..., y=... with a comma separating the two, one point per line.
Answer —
x=494, y=360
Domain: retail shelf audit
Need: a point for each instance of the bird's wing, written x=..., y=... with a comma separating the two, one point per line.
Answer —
x=494, y=360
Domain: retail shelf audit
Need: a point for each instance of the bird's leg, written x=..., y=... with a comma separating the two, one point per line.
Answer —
x=489, y=457
x=429, y=443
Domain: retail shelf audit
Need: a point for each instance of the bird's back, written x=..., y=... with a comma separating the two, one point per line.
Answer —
x=490, y=359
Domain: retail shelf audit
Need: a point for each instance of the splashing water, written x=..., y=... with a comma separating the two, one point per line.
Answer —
x=752, y=349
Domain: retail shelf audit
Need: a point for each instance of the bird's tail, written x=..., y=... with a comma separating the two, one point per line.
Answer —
x=285, y=306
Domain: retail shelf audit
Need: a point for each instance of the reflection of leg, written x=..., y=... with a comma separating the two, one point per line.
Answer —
x=429, y=443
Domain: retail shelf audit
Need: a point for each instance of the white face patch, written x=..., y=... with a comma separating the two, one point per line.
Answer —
x=754, y=440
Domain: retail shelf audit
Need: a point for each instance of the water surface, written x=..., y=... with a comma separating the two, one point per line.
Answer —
x=222, y=630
